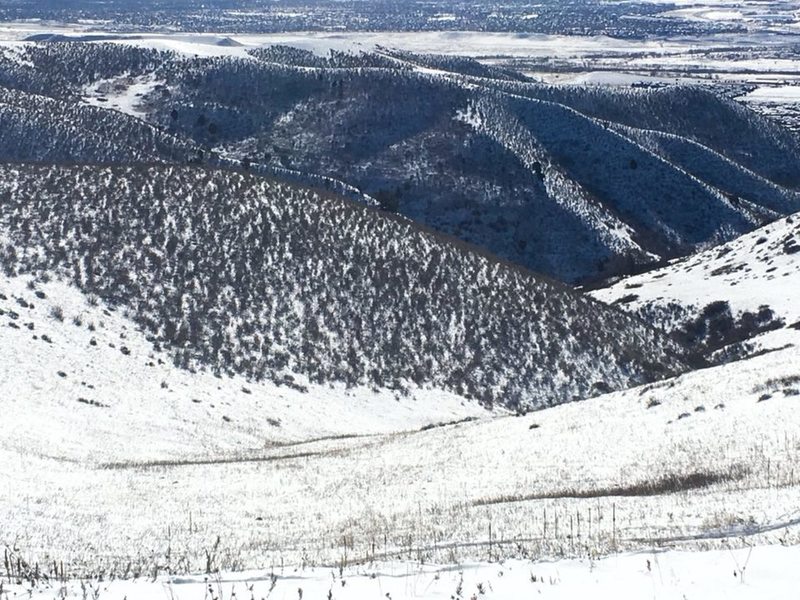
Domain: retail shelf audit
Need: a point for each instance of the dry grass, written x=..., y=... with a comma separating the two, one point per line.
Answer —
x=672, y=483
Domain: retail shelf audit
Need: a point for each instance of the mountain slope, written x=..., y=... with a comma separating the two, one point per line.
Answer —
x=759, y=144
x=261, y=278
x=740, y=185
x=665, y=209
x=484, y=186
x=70, y=362
x=726, y=294
x=706, y=459
x=573, y=183
x=35, y=128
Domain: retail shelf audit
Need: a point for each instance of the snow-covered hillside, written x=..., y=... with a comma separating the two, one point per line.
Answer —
x=570, y=182
x=757, y=274
x=180, y=464
x=71, y=364
x=280, y=323
x=257, y=277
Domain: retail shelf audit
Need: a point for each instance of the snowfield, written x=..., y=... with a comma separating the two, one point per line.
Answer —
x=764, y=572
x=219, y=473
x=94, y=369
x=785, y=94
x=124, y=94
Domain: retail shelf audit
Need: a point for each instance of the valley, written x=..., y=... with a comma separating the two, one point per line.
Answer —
x=694, y=461
x=350, y=300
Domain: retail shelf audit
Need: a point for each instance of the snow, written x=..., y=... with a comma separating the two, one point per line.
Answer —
x=113, y=456
x=723, y=15
x=764, y=572
x=568, y=194
x=466, y=43
x=443, y=17
x=608, y=78
x=780, y=93
x=121, y=93
x=755, y=65
x=189, y=44
x=757, y=269
x=463, y=43
x=19, y=30
x=16, y=52
x=767, y=15
x=594, y=59
x=191, y=408
x=704, y=14
x=166, y=475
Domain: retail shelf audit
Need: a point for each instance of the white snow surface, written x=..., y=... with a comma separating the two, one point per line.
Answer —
x=763, y=572
x=124, y=94
x=761, y=268
x=784, y=94
x=463, y=43
x=104, y=466
x=171, y=413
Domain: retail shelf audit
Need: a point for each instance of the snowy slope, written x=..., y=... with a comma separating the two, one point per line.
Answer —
x=697, y=461
x=256, y=277
x=71, y=364
x=543, y=183
x=755, y=273
x=577, y=184
x=124, y=94
x=35, y=127
x=205, y=370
